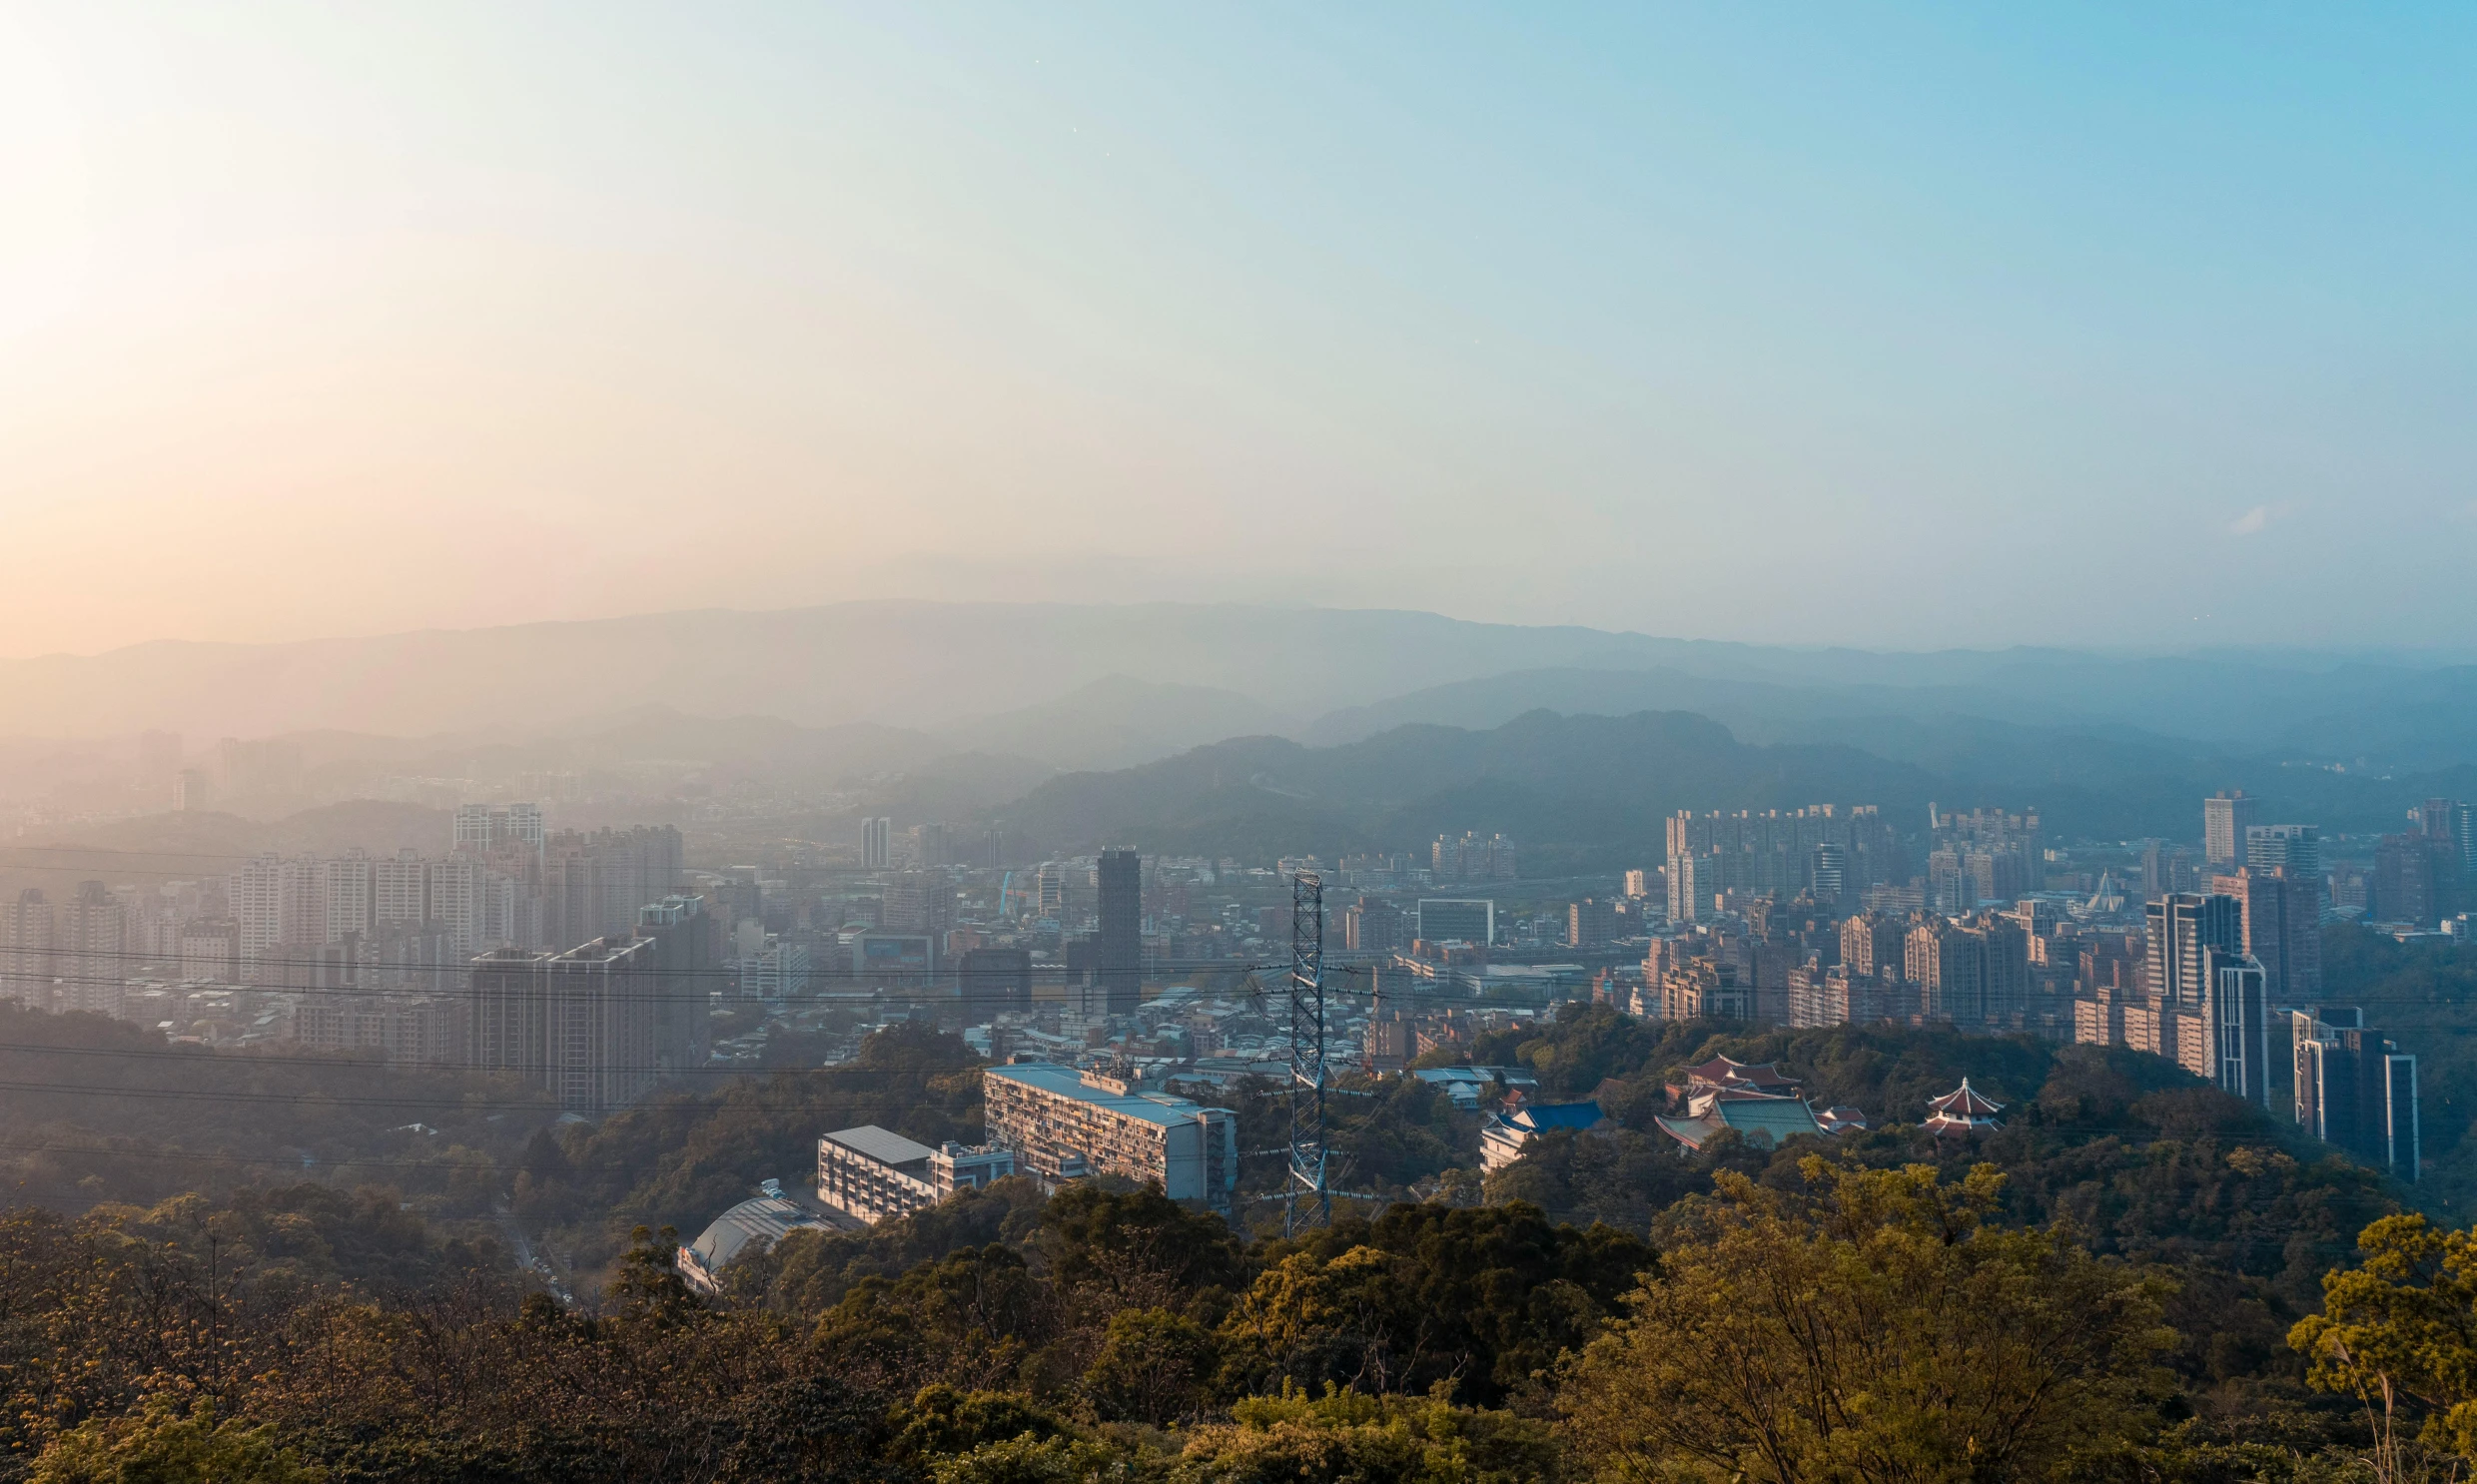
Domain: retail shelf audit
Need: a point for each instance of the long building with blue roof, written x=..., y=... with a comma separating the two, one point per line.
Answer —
x=1061, y=1125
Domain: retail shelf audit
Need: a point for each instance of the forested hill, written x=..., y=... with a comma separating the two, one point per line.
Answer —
x=1598, y=782
x=2133, y=1246
x=1539, y=777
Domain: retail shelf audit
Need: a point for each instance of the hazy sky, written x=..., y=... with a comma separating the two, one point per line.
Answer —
x=1894, y=325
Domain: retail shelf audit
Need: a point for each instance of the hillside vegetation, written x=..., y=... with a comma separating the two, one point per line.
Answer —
x=1592, y=787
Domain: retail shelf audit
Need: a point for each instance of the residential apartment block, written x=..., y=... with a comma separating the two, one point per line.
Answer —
x=1062, y=1125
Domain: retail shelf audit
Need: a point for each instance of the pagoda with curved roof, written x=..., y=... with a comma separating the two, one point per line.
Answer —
x=1963, y=1110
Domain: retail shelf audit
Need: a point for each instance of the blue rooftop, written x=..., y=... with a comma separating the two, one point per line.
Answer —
x=1539, y=1118
x=1066, y=1082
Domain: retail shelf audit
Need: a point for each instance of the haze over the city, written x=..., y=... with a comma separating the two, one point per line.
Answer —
x=1916, y=330
x=964, y=743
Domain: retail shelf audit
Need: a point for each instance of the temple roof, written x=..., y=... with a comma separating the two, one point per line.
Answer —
x=1720, y=1071
x=1965, y=1101
x=1539, y=1118
x=1963, y=1110
x=1765, y=1120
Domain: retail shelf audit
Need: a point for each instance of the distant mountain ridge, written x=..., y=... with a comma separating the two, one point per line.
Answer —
x=898, y=662
x=2419, y=718
x=1118, y=722
x=1096, y=685
x=1588, y=783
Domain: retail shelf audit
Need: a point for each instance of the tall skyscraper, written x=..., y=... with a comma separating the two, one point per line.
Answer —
x=1776, y=851
x=1084, y=997
x=1450, y=920
x=302, y=902
x=349, y=887
x=2003, y=996
x=1472, y=858
x=993, y=981
x=1590, y=921
x=211, y=949
x=482, y=828
x=877, y=843
x=2296, y=849
x=2224, y=819
x=2166, y=868
x=90, y=944
x=2181, y=926
x=1121, y=941
x=581, y=1023
x=2462, y=820
x=918, y=901
x=2415, y=879
x=1053, y=891
x=2281, y=919
x=2356, y=1090
x=1827, y=872
x=1975, y=973
x=459, y=901
x=2237, y=1017
x=26, y=949
x=1871, y=946
x=256, y=892
x=687, y=957
x=593, y=885
x=400, y=890
x=1373, y=925
x=1693, y=882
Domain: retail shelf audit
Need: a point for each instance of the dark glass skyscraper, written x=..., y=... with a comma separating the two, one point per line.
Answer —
x=1121, y=941
x=2356, y=1090
x=2181, y=925
x=993, y=981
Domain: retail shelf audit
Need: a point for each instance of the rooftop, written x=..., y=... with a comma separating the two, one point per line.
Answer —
x=764, y=1221
x=1723, y=1071
x=1763, y=1120
x=1965, y=1101
x=1066, y=1081
x=1539, y=1118
x=882, y=1145
x=1488, y=1075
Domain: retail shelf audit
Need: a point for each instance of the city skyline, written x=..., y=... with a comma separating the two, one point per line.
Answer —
x=976, y=742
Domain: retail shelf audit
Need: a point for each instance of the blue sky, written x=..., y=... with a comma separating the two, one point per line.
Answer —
x=1890, y=326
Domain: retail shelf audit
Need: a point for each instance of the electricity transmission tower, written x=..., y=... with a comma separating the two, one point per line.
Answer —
x=1306, y=1176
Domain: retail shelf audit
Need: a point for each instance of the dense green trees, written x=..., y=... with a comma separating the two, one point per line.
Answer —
x=1836, y=1321
x=1485, y=1298
x=164, y=1444
x=1873, y=1328
x=2398, y=1334
x=2105, y=1288
x=100, y=1109
x=684, y=1157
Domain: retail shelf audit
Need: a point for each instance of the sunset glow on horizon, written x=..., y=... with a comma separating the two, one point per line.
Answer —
x=321, y=323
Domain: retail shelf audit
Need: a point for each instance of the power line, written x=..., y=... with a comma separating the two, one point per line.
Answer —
x=459, y=973
x=463, y=960
x=453, y=1101
x=294, y=1055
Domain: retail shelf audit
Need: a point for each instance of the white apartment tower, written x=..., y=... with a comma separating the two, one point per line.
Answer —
x=399, y=891
x=352, y=895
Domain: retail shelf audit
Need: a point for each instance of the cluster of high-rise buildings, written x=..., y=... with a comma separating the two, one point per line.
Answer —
x=571, y=958
x=1829, y=853
x=1472, y=858
x=1803, y=918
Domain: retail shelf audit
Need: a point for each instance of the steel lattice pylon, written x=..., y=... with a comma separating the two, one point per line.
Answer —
x=1306, y=1176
